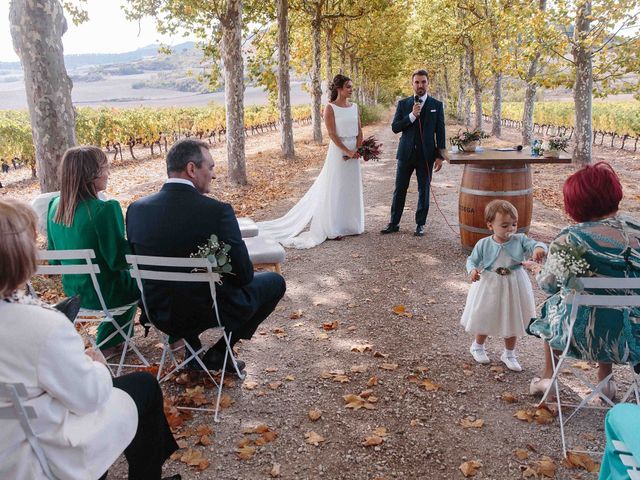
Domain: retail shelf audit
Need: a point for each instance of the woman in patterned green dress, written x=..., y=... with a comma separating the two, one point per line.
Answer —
x=77, y=219
x=611, y=245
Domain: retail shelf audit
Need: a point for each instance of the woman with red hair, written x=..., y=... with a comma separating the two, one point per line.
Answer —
x=609, y=243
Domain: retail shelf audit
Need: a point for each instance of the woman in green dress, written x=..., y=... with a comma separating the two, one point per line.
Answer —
x=610, y=244
x=77, y=219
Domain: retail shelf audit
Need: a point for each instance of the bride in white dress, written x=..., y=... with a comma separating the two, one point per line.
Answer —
x=333, y=205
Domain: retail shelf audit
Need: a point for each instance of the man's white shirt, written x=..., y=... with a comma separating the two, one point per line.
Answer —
x=180, y=180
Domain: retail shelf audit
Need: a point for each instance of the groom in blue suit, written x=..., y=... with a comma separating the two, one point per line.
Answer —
x=422, y=148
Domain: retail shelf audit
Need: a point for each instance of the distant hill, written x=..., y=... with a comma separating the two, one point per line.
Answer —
x=75, y=61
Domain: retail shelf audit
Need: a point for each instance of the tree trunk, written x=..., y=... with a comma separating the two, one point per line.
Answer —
x=284, y=93
x=447, y=89
x=461, y=90
x=496, y=114
x=329, y=53
x=316, y=89
x=37, y=27
x=477, y=88
x=583, y=86
x=530, y=93
x=231, y=23
x=529, y=103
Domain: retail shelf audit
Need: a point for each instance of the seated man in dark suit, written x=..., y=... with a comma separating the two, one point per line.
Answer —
x=173, y=223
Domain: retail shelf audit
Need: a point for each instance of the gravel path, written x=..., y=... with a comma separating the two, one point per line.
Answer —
x=336, y=334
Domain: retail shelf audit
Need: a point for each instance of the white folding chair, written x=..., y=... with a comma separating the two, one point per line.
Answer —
x=585, y=298
x=87, y=267
x=13, y=392
x=164, y=269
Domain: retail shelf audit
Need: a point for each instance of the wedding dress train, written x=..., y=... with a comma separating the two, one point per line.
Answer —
x=333, y=204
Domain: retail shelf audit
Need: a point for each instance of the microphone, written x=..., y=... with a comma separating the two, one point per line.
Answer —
x=417, y=99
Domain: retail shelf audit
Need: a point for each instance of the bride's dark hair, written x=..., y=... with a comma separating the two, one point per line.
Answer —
x=338, y=82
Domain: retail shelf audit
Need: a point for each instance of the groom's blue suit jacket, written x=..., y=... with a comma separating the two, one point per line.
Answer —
x=433, y=130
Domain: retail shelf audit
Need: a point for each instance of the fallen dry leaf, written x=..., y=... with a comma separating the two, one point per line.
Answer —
x=509, y=397
x=381, y=432
x=389, y=366
x=401, y=311
x=429, y=386
x=271, y=369
x=245, y=452
x=471, y=422
x=528, y=472
x=289, y=378
x=470, y=468
x=358, y=368
x=275, y=385
x=297, y=314
x=372, y=441
x=373, y=381
x=225, y=401
x=361, y=348
x=582, y=460
x=328, y=326
x=194, y=458
x=356, y=402
x=380, y=355
x=521, y=454
x=497, y=369
x=524, y=415
x=279, y=332
x=582, y=365
x=314, y=414
x=250, y=385
x=546, y=467
x=275, y=470
x=204, y=441
x=313, y=438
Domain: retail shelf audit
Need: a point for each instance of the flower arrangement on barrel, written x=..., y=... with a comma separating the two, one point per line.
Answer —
x=555, y=145
x=369, y=150
x=467, y=141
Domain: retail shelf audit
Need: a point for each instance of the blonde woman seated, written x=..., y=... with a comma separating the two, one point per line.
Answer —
x=77, y=219
x=83, y=423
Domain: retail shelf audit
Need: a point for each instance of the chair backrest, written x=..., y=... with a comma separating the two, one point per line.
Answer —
x=17, y=411
x=163, y=269
x=86, y=268
x=604, y=300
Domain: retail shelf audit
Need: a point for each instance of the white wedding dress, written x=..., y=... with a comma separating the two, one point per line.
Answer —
x=333, y=205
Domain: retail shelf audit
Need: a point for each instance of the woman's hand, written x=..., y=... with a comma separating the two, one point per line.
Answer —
x=538, y=254
x=95, y=355
x=351, y=154
x=475, y=275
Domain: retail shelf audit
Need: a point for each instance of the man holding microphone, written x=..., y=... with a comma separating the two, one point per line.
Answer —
x=422, y=148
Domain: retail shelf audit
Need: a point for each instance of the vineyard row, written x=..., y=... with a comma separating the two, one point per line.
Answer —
x=615, y=124
x=112, y=128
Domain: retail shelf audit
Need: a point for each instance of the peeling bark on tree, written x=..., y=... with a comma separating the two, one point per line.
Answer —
x=461, y=90
x=37, y=27
x=496, y=114
x=583, y=86
x=316, y=89
x=530, y=93
x=284, y=92
x=329, y=51
x=231, y=23
x=477, y=88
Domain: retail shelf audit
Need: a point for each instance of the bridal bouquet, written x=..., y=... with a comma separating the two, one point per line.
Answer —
x=217, y=252
x=369, y=150
x=566, y=263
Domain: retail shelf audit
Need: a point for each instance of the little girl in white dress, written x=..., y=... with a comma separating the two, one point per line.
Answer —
x=500, y=301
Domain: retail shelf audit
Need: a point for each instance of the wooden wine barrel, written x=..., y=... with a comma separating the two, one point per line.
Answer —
x=483, y=183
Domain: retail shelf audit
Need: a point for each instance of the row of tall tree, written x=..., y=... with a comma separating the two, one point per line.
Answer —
x=475, y=49
x=481, y=46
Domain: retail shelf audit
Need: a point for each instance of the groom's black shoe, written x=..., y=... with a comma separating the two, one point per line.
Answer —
x=391, y=228
x=419, y=231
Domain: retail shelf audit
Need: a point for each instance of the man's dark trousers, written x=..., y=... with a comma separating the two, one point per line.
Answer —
x=404, y=170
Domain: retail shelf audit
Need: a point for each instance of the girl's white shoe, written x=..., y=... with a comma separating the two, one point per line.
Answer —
x=511, y=362
x=479, y=354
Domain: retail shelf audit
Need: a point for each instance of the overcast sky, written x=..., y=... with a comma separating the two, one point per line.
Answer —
x=107, y=31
